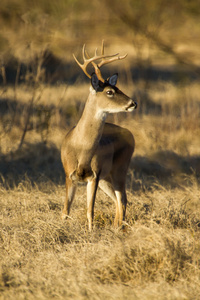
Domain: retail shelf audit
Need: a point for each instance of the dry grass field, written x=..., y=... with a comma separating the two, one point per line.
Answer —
x=156, y=255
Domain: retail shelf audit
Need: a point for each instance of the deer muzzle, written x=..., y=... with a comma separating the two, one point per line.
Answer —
x=131, y=105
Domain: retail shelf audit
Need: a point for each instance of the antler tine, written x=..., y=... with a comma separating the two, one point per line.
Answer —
x=102, y=48
x=85, y=62
x=83, y=53
x=96, y=67
x=105, y=59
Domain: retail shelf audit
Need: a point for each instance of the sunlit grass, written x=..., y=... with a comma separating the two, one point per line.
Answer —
x=42, y=257
x=156, y=254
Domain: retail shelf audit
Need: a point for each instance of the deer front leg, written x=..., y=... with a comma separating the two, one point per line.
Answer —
x=70, y=192
x=91, y=194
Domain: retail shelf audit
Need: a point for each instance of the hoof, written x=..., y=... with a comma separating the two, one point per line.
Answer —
x=64, y=216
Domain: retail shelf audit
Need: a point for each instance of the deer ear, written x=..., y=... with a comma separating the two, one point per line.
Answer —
x=95, y=81
x=113, y=79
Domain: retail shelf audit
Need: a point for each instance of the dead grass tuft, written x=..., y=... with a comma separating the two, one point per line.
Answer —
x=156, y=253
x=42, y=257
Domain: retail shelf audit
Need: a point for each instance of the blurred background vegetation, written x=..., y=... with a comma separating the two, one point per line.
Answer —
x=42, y=95
x=43, y=91
x=161, y=32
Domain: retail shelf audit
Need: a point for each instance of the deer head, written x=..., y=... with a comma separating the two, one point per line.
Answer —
x=106, y=88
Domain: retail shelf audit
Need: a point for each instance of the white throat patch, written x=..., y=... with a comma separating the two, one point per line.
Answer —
x=92, y=91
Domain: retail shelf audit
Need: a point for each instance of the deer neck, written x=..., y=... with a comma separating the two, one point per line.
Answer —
x=90, y=126
x=86, y=137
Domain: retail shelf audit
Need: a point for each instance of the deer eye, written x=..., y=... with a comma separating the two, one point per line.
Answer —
x=110, y=93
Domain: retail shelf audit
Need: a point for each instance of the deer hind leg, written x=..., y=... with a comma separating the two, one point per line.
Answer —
x=120, y=207
x=119, y=183
x=119, y=173
x=91, y=195
x=70, y=192
x=118, y=195
x=107, y=186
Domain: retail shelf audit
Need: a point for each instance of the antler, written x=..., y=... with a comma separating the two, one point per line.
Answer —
x=105, y=59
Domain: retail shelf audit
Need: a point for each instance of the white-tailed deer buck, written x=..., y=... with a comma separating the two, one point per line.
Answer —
x=97, y=152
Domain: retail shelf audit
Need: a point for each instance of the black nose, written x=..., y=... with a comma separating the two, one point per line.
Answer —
x=135, y=104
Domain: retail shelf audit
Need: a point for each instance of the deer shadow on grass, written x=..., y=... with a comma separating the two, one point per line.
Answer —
x=164, y=168
x=40, y=163
x=37, y=163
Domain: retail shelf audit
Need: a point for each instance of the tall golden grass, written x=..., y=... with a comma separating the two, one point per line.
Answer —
x=155, y=256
